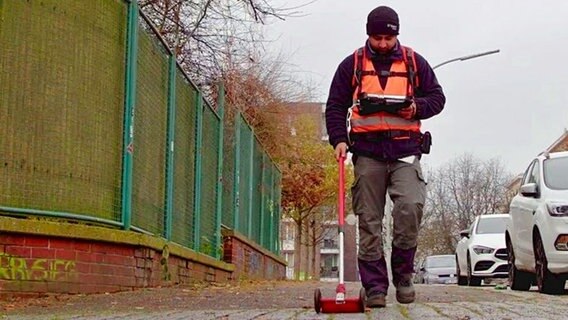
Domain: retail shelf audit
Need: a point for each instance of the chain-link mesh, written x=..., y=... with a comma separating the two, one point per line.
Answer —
x=209, y=161
x=267, y=201
x=228, y=167
x=245, y=174
x=184, y=163
x=150, y=121
x=61, y=105
x=277, y=213
x=62, y=89
x=256, y=192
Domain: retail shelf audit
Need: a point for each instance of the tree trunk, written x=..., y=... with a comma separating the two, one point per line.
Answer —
x=315, y=271
x=307, y=259
x=298, y=250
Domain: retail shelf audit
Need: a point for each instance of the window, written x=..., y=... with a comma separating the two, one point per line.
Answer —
x=288, y=232
x=556, y=173
x=527, y=174
x=441, y=262
x=491, y=225
x=535, y=174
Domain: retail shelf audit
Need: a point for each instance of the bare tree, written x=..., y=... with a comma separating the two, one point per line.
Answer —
x=210, y=36
x=458, y=192
x=321, y=227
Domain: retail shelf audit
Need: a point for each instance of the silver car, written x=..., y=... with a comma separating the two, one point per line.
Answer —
x=439, y=269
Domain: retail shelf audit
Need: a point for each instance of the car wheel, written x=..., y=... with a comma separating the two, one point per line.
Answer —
x=518, y=280
x=462, y=281
x=472, y=280
x=546, y=281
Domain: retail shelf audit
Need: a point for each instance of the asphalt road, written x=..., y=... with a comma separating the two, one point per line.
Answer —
x=287, y=300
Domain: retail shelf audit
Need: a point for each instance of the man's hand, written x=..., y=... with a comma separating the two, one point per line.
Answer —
x=409, y=112
x=341, y=150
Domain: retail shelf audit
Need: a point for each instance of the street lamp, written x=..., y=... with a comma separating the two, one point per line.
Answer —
x=471, y=56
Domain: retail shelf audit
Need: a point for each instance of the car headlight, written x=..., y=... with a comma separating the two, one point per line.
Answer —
x=482, y=250
x=557, y=208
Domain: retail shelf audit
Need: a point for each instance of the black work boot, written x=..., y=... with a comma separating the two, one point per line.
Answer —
x=405, y=291
x=402, y=263
x=374, y=278
x=376, y=300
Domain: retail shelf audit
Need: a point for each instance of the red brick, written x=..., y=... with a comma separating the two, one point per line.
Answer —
x=69, y=255
x=90, y=288
x=82, y=267
x=102, y=269
x=124, y=271
x=12, y=239
x=97, y=288
x=141, y=273
x=82, y=246
x=89, y=257
x=34, y=286
x=11, y=286
x=43, y=253
x=142, y=282
x=125, y=281
x=119, y=260
x=62, y=287
x=89, y=278
x=61, y=243
x=111, y=249
x=143, y=263
x=143, y=253
x=36, y=242
x=19, y=252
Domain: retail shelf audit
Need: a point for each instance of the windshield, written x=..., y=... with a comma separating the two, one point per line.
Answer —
x=441, y=262
x=491, y=225
x=556, y=173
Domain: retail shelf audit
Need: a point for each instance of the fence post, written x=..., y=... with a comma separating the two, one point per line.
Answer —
x=170, y=147
x=250, y=185
x=277, y=212
x=198, y=173
x=128, y=124
x=237, y=172
x=262, y=200
x=220, y=155
x=271, y=224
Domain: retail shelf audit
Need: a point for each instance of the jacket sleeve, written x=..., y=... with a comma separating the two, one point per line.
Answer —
x=430, y=99
x=339, y=101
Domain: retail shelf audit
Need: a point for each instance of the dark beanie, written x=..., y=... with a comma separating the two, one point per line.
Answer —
x=382, y=20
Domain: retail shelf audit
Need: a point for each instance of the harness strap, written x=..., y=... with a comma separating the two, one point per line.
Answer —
x=409, y=59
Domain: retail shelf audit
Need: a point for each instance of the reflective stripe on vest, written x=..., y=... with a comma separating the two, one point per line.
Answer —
x=396, y=86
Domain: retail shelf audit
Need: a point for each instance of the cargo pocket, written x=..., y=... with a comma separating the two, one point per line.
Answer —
x=419, y=173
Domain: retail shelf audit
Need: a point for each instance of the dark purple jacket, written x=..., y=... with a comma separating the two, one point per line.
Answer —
x=429, y=100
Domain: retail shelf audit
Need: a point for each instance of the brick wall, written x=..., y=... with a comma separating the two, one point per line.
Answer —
x=39, y=257
x=561, y=145
x=250, y=260
x=41, y=264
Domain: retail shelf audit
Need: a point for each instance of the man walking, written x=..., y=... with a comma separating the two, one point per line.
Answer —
x=377, y=98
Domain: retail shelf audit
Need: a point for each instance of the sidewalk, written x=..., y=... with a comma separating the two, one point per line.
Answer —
x=285, y=300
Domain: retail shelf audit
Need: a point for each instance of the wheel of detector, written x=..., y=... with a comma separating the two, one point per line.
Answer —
x=317, y=300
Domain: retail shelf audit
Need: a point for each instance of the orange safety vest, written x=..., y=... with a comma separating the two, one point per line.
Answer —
x=400, y=83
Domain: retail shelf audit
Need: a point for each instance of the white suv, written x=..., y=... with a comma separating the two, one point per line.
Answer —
x=537, y=231
x=481, y=253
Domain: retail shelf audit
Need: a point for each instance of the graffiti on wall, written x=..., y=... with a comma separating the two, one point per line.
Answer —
x=16, y=268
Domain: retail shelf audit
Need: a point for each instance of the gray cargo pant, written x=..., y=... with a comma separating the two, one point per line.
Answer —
x=407, y=189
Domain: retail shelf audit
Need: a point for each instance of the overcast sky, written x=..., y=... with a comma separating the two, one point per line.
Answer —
x=509, y=105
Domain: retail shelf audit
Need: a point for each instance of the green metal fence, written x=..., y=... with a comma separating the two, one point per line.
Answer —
x=99, y=123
